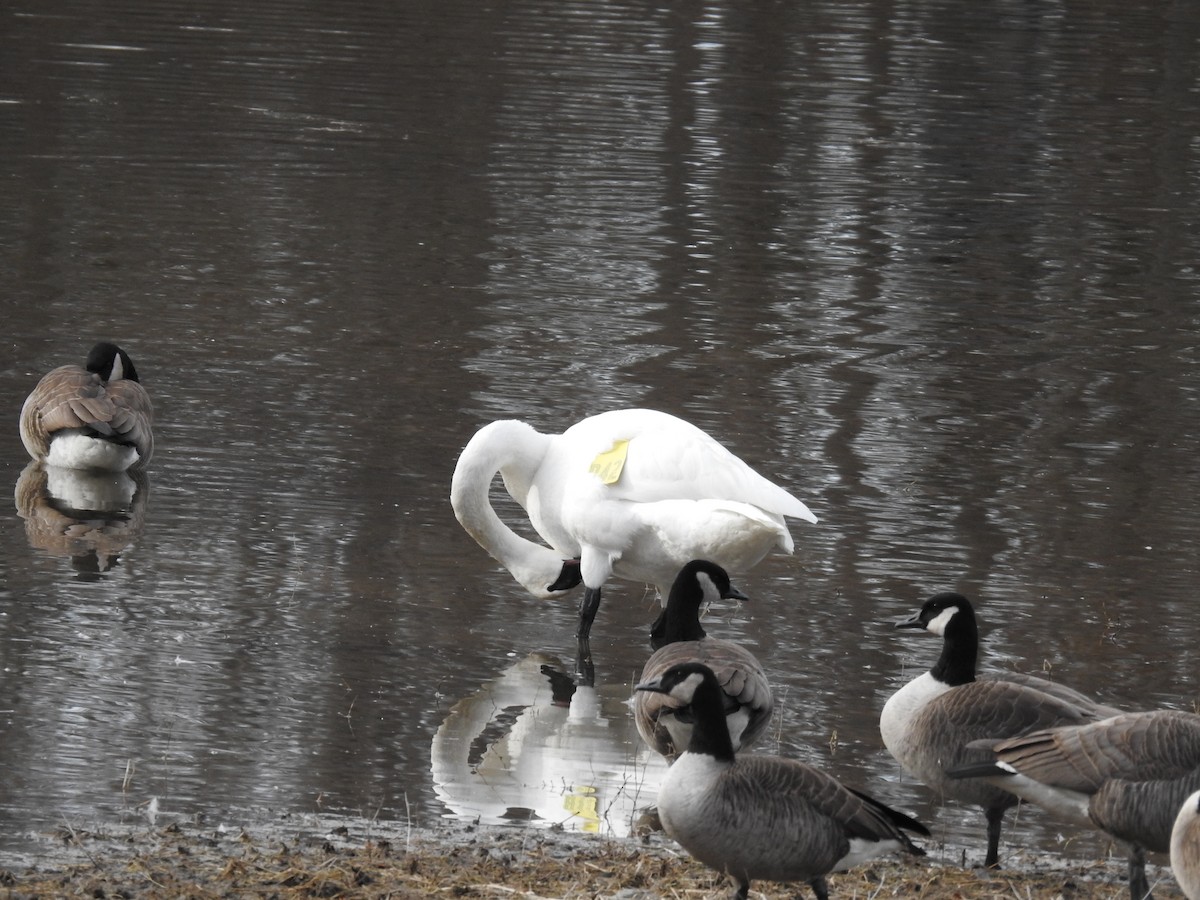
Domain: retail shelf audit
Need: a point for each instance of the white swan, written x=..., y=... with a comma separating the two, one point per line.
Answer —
x=631, y=493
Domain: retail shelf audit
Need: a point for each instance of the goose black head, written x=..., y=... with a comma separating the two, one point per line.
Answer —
x=694, y=686
x=111, y=363
x=681, y=681
x=713, y=581
x=698, y=584
x=952, y=618
x=938, y=612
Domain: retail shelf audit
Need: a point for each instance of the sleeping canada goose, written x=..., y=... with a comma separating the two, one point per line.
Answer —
x=1127, y=775
x=763, y=816
x=630, y=493
x=679, y=637
x=927, y=724
x=98, y=417
x=1185, y=847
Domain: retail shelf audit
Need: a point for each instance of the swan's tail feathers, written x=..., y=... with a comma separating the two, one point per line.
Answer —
x=797, y=510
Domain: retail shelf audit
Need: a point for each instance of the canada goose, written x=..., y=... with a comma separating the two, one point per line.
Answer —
x=633, y=493
x=1127, y=775
x=98, y=417
x=763, y=816
x=927, y=724
x=1185, y=847
x=679, y=637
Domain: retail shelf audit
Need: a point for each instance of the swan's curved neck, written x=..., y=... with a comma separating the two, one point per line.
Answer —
x=514, y=450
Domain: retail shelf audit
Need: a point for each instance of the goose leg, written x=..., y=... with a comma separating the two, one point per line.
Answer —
x=743, y=889
x=1139, y=887
x=820, y=888
x=995, y=818
x=587, y=612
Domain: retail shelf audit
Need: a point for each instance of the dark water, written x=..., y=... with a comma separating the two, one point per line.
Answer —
x=932, y=265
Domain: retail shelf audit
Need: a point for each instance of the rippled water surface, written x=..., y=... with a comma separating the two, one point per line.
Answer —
x=932, y=266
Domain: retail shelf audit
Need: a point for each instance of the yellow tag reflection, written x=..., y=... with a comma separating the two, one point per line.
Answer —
x=583, y=804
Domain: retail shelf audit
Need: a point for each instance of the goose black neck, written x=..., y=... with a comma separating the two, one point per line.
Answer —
x=960, y=650
x=681, y=618
x=710, y=734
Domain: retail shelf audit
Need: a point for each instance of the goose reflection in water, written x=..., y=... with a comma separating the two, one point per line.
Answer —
x=88, y=517
x=534, y=746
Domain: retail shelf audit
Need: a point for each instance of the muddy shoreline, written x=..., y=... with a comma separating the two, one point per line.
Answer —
x=329, y=856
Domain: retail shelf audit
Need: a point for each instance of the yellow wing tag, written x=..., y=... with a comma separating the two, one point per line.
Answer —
x=608, y=465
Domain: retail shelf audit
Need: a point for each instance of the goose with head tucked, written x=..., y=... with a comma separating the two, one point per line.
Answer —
x=679, y=637
x=1127, y=775
x=927, y=724
x=630, y=493
x=96, y=417
x=1185, y=847
x=763, y=817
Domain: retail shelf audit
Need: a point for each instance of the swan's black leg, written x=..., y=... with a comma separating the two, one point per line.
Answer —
x=585, y=670
x=587, y=612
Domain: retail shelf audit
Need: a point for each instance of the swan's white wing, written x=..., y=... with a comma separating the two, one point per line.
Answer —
x=670, y=459
x=648, y=542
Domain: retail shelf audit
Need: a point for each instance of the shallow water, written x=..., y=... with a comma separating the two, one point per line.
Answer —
x=930, y=266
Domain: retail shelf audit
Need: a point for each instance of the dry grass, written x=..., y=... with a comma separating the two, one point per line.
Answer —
x=289, y=861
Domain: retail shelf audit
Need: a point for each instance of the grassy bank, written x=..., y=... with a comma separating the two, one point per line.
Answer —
x=308, y=857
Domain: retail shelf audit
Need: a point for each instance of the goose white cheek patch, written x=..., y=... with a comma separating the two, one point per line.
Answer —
x=707, y=588
x=686, y=689
x=937, y=625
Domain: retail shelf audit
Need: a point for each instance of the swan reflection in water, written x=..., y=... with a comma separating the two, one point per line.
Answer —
x=533, y=746
x=88, y=517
